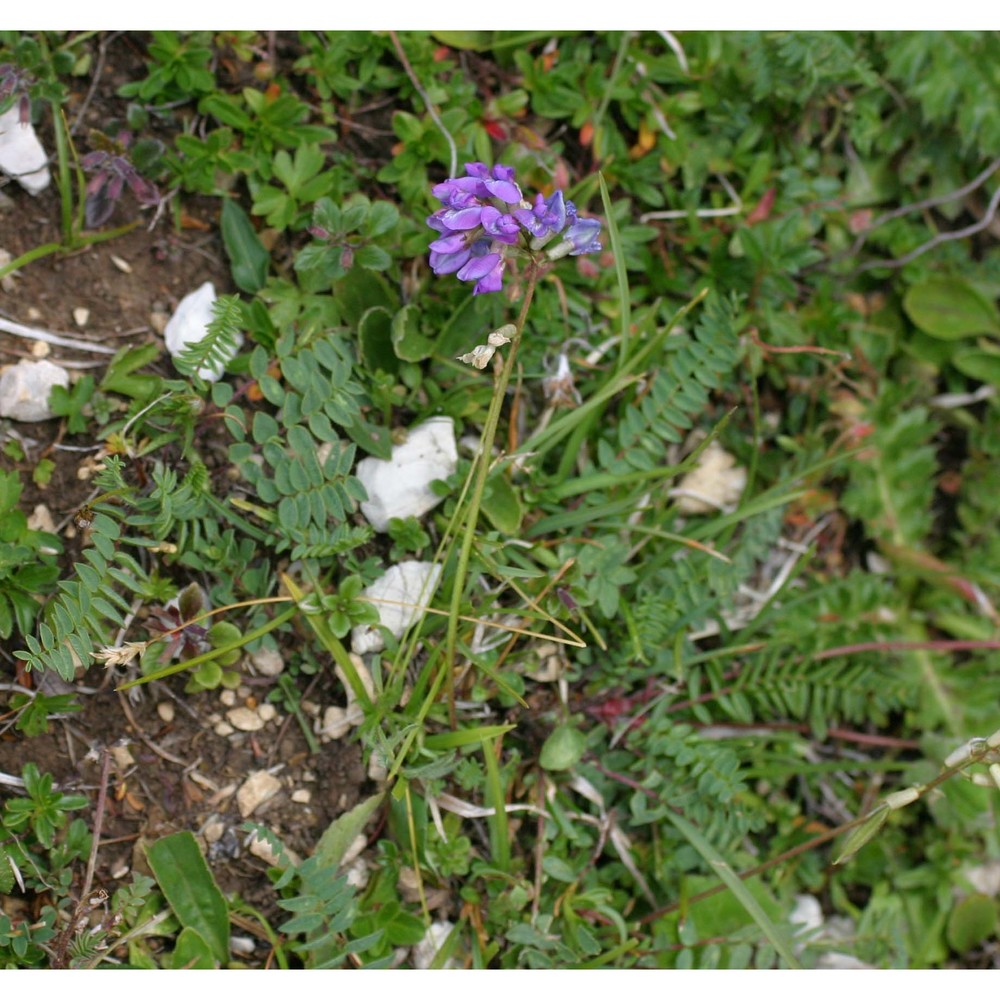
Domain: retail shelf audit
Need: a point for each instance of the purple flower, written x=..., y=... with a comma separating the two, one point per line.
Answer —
x=579, y=238
x=112, y=172
x=484, y=215
x=547, y=217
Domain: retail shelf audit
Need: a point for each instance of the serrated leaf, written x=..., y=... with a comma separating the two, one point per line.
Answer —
x=341, y=833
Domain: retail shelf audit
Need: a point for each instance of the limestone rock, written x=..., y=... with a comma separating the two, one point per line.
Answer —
x=25, y=388
x=400, y=596
x=259, y=788
x=189, y=325
x=21, y=154
x=715, y=484
x=400, y=487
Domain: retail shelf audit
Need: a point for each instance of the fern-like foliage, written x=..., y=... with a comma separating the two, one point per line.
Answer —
x=677, y=392
x=305, y=478
x=892, y=484
x=90, y=604
x=208, y=356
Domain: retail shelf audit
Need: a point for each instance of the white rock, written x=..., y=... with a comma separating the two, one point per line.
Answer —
x=400, y=596
x=267, y=711
x=40, y=519
x=165, y=710
x=245, y=719
x=338, y=722
x=21, y=154
x=259, y=787
x=357, y=873
x=81, y=316
x=377, y=770
x=302, y=796
x=227, y=697
x=25, y=388
x=267, y=662
x=430, y=944
x=714, y=484
x=401, y=486
x=189, y=325
x=262, y=849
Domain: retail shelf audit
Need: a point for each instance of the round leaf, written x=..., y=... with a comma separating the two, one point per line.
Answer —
x=562, y=749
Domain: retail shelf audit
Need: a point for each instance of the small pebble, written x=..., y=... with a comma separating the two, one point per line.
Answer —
x=213, y=831
x=165, y=710
x=267, y=662
x=267, y=711
x=228, y=698
x=259, y=788
x=81, y=316
x=245, y=719
x=123, y=265
x=302, y=796
x=39, y=349
x=223, y=729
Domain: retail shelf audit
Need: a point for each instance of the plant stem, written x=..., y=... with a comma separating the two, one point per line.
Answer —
x=476, y=499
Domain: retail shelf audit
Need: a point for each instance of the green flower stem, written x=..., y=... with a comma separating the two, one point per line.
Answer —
x=476, y=499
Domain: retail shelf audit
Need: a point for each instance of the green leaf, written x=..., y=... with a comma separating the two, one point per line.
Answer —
x=407, y=340
x=502, y=504
x=191, y=951
x=375, y=341
x=971, y=922
x=372, y=257
x=463, y=737
x=341, y=833
x=473, y=41
x=563, y=749
x=724, y=870
x=950, y=308
x=186, y=880
x=984, y=366
x=247, y=255
x=865, y=832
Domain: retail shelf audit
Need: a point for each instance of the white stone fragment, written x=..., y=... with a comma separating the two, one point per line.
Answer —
x=259, y=787
x=267, y=662
x=227, y=697
x=338, y=722
x=430, y=944
x=716, y=483
x=262, y=849
x=400, y=487
x=245, y=719
x=189, y=325
x=25, y=388
x=21, y=154
x=81, y=316
x=223, y=729
x=267, y=711
x=302, y=796
x=400, y=596
x=40, y=519
x=165, y=710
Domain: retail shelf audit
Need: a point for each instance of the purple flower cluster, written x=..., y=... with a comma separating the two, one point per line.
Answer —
x=485, y=215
